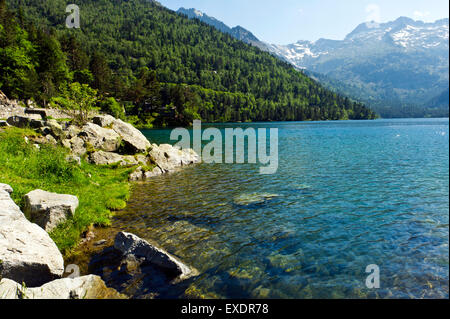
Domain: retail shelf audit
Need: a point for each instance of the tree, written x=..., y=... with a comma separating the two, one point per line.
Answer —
x=78, y=100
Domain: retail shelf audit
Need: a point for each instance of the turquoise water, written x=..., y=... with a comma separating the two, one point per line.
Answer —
x=346, y=195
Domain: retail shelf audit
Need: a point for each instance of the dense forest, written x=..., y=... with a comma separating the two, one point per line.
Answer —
x=161, y=68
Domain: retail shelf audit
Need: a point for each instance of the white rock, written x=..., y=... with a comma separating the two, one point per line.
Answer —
x=86, y=287
x=48, y=210
x=27, y=252
x=100, y=138
x=133, y=140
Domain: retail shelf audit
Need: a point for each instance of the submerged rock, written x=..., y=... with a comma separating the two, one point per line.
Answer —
x=48, y=210
x=86, y=287
x=253, y=198
x=130, y=244
x=27, y=253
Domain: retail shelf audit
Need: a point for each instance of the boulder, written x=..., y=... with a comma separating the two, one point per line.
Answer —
x=100, y=138
x=55, y=129
x=132, y=139
x=77, y=145
x=168, y=157
x=73, y=159
x=137, y=175
x=23, y=122
x=86, y=287
x=41, y=112
x=153, y=173
x=130, y=244
x=103, y=120
x=27, y=253
x=71, y=131
x=6, y=188
x=109, y=158
x=48, y=210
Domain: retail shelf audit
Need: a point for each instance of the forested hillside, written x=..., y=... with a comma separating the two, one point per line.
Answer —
x=165, y=68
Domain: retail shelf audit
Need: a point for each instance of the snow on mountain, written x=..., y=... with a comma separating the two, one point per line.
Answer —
x=403, y=33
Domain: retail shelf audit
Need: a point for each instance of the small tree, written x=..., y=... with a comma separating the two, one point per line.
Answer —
x=78, y=100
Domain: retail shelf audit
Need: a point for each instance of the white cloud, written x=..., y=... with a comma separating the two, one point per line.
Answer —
x=421, y=14
x=374, y=12
x=374, y=15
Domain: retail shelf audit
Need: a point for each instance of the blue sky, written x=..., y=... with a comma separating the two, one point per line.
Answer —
x=287, y=21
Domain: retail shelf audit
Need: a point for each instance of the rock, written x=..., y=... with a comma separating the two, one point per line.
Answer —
x=23, y=122
x=27, y=253
x=72, y=131
x=100, y=138
x=77, y=146
x=6, y=188
x=130, y=244
x=55, y=129
x=86, y=287
x=51, y=140
x=45, y=130
x=48, y=210
x=109, y=158
x=100, y=242
x=168, y=157
x=103, y=120
x=41, y=112
x=137, y=175
x=155, y=172
x=73, y=159
x=133, y=140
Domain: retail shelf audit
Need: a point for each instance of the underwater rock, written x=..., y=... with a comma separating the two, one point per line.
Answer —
x=253, y=198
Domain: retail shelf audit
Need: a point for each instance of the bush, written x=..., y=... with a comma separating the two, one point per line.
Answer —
x=112, y=107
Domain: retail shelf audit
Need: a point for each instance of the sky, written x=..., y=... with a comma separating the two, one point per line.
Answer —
x=287, y=21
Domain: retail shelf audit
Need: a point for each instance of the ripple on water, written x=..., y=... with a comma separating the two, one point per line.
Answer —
x=346, y=195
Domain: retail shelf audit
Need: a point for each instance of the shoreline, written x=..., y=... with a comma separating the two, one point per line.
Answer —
x=94, y=162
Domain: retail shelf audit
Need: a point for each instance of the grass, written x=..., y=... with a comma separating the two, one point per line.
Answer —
x=100, y=190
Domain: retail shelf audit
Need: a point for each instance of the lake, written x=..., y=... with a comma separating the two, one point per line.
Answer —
x=346, y=195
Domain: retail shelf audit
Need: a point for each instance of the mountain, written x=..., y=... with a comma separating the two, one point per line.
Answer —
x=155, y=62
x=237, y=32
x=388, y=65
x=397, y=67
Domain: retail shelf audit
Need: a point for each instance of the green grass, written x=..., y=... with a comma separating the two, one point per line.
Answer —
x=100, y=190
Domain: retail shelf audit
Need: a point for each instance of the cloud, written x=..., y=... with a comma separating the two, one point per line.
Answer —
x=421, y=14
x=374, y=12
x=374, y=16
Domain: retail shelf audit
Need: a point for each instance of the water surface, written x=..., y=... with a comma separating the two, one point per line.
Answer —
x=346, y=195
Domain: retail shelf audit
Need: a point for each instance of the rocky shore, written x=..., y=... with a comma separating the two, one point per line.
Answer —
x=31, y=266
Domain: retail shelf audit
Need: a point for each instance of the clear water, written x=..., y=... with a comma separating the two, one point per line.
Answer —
x=346, y=195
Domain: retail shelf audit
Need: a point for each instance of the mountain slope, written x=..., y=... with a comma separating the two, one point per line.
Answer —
x=396, y=67
x=237, y=32
x=404, y=62
x=232, y=81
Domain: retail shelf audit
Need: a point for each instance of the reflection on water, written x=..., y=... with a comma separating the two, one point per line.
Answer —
x=346, y=195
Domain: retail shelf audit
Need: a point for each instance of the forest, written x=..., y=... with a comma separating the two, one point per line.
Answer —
x=153, y=66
